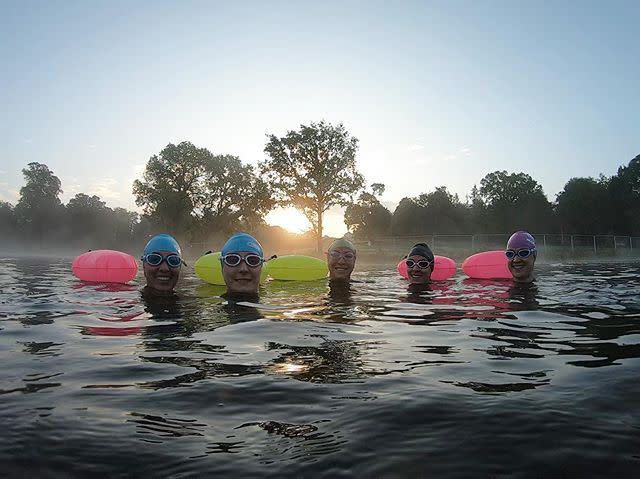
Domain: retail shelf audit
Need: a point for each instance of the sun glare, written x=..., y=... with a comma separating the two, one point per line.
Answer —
x=290, y=219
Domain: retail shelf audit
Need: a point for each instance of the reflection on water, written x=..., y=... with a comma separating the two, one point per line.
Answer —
x=367, y=379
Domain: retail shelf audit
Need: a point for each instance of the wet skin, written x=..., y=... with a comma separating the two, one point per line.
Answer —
x=340, y=268
x=418, y=275
x=161, y=279
x=522, y=268
x=242, y=278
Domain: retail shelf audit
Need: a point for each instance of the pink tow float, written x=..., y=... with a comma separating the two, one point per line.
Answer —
x=487, y=265
x=443, y=268
x=105, y=266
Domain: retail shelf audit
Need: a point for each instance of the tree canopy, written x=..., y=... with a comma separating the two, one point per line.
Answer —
x=191, y=191
x=313, y=169
x=367, y=218
x=38, y=209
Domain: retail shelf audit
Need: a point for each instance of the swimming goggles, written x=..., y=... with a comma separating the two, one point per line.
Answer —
x=422, y=264
x=521, y=253
x=233, y=259
x=348, y=255
x=156, y=259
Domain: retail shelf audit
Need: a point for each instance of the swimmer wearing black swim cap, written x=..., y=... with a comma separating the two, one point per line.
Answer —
x=419, y=264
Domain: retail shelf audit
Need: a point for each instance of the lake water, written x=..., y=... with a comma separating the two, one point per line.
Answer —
x=466, y=379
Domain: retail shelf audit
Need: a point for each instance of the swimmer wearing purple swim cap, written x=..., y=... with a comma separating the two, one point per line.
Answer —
x=242, y=260
x=521, y=256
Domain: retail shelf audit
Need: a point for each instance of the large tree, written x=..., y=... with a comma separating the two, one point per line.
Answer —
x=39, y=208
x=624, y=191
x=171, y=185
x=583, y=207
x=442, y=212
x=7, y=220
x=88, y=217
x=515, y=201
x=232, y=195
x=313, y=169
x=367, y=218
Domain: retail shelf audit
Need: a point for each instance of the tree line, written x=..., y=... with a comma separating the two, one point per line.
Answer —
x=202, y=197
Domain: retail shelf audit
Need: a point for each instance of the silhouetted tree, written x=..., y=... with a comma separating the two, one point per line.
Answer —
x=7, y=221
x=313, y=169
x=39, y=208
x=407, y=218
x=583, y=206
x=232, y=196
x=624, y=192
x=515, y=201
x=367, y=218
x=442, y=212
x=172, y=186
x=88, y=218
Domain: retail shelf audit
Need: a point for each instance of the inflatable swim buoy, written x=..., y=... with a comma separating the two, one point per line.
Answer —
x=487, y=265
x=297, y=268
x=105, y=266
x=209, y=269
x=443, y=268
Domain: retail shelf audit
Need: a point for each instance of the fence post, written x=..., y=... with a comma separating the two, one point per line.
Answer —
x=595, y=249
x=571, y=242
x=630, y=243
x=615, y=245
x=473, y=242
x=544, y=241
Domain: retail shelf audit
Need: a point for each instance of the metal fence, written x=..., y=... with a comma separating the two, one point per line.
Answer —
x=480, y=242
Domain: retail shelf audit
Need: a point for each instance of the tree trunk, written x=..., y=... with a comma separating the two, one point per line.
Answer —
x=319, y=233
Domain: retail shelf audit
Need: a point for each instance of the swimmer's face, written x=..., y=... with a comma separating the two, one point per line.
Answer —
x=416, y=274
x=242, y=278
x=162, y=278
x=522, y=268
x=341, y=262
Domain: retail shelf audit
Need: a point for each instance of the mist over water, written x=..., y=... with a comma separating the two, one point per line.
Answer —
x=465, y=378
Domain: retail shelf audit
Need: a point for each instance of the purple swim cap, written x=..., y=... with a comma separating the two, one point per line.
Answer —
x=521, y=239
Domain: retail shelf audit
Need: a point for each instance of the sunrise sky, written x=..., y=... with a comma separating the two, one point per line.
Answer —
x=438, y=93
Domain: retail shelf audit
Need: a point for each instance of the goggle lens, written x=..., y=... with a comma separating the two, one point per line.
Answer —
x=337, y=255
x=522, y=253
x=155, y=259
x=422, y=264
x=252, y=260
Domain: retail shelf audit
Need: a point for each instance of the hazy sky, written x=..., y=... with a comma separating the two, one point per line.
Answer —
x=438, y=93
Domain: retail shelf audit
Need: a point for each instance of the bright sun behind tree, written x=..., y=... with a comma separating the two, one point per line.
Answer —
x=290, y=218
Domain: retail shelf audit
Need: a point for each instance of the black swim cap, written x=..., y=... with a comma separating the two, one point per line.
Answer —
x=421, y=249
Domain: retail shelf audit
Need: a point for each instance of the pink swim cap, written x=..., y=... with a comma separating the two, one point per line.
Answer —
x=521, y=239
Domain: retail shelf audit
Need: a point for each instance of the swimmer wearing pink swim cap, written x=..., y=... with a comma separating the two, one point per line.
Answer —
x=521, y=256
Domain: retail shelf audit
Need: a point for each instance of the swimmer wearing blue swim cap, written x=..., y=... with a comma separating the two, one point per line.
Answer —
x=242, y=259
x=162, y=262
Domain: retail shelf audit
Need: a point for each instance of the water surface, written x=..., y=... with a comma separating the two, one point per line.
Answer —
x=466, y=378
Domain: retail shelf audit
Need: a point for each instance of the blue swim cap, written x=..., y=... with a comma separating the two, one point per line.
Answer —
x=162, y=242
x=242, y=242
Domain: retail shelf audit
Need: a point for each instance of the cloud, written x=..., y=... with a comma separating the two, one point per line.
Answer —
x=106, y=189
x=7, y=194
x=415, y=147
x=466, y=151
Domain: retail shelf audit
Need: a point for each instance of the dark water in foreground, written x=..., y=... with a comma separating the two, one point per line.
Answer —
x=467, y=379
